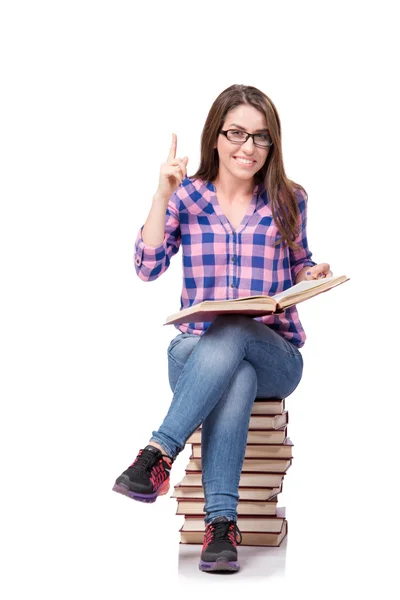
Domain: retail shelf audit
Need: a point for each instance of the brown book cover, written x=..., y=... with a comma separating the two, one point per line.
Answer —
x=248, y=539
x=270, y=406
x=184, y=492
x=258, y=450
x=256, y=480
x=255, y=436
x=246, y=524
x=195, y=507
x=268, y=421
x=256, y=305
x=251, y=465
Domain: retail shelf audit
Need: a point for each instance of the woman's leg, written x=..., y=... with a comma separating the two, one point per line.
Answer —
x=224, y=430
x=274, y=367
x=179, y=351
x=223, y=444
x=204, y=378
x=211, y=366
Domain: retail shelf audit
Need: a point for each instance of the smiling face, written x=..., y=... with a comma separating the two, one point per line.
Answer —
x=249, y=119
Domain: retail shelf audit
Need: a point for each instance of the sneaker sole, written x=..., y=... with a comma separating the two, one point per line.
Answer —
x=120, y=488
x=219, y=565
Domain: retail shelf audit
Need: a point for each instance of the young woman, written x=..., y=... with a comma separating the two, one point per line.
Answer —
x=242, y=227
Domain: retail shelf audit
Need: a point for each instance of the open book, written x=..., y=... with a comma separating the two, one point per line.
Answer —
x=256, y=306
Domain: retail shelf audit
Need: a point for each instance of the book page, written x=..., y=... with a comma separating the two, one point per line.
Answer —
x=303, y=285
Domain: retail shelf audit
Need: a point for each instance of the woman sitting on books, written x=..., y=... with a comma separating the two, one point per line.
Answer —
x=242, y=227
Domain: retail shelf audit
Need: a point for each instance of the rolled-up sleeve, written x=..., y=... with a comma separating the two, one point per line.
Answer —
x=301, y=258
x=151, y=262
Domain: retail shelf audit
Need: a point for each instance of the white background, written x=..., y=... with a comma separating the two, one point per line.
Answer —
x=91, y=93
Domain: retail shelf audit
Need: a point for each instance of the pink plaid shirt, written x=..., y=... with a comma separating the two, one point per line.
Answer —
x=220, y=263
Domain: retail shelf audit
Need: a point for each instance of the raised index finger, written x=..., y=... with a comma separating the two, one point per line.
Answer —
x=172, y=151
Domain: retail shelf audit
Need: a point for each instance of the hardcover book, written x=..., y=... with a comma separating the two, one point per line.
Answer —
x=251, y=465
x=261, y=480
x=258, y=450
x=266, y=436
x=244, y=507
x=196, y=492
x=248, y=538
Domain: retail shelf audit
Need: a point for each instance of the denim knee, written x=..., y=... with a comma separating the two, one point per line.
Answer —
x=179, y=350
x=242, y=391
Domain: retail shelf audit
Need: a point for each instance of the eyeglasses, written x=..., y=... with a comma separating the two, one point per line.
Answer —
x=262, y=140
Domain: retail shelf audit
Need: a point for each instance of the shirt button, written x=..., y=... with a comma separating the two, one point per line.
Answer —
x=233, y=258
x=232, y=285
x=137, y=261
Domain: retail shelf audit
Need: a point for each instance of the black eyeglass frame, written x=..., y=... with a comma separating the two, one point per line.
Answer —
x=244, y=141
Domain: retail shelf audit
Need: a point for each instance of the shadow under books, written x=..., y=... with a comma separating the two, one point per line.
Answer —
x=262, y=561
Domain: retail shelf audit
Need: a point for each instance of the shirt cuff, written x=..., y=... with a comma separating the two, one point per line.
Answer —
x=144, y=253
x=296, y=270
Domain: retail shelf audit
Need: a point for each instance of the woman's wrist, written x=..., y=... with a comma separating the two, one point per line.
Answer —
x=301, y=275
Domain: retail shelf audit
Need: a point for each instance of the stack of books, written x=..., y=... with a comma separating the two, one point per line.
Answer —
x=267, y=459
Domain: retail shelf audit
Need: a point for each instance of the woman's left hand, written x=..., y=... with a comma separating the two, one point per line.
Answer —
x=318, y=271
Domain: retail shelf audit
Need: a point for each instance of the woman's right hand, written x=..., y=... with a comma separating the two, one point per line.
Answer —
x=172, y=173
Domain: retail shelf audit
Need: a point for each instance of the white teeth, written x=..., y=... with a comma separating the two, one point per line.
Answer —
x=242, y=160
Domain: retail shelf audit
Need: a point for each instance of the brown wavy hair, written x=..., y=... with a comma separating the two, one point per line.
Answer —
x=281, y=190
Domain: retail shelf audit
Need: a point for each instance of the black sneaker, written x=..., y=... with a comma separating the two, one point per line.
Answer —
x=147, y=477
x=219, y=547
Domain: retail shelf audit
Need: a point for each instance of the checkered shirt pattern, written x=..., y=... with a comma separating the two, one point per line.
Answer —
x=220, y=263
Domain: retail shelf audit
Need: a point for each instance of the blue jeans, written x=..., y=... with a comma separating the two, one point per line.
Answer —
x=215, y=378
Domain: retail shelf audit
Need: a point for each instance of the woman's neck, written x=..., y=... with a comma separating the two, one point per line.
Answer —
x=231, y=187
